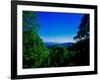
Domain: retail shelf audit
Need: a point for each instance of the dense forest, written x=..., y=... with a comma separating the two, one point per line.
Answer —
x=37, y=55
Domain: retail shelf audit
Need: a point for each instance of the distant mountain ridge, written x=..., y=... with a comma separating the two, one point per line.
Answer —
x=48, y=44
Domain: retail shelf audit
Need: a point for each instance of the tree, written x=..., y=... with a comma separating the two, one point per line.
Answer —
x=30, y=21
x=35, y=54
x=82, y=38
x=83, y=32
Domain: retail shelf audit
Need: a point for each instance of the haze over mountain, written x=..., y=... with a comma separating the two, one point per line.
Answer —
x=48, y=44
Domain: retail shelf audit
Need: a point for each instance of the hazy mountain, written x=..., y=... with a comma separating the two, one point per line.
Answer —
x=55, y=43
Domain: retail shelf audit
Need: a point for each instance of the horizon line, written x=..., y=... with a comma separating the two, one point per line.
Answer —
x=61, y=42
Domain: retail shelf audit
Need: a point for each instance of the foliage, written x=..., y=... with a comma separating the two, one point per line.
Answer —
x=30, y=21
x=83, y=32
x=57, y=55
x=83, y=40
x=34, y=51
x=63, y=56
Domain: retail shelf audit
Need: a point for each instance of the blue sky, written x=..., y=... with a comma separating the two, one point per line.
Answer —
x=58, y=27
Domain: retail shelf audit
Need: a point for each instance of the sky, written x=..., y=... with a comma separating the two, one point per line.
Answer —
x=58, y=27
